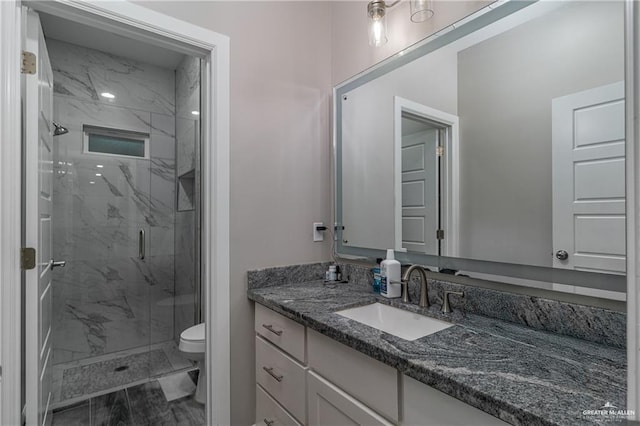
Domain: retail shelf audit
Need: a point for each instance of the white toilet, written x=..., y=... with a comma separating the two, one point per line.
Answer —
x=192, y=347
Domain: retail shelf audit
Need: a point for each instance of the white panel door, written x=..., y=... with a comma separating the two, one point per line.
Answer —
x=589, y=180
x=420, y=192
x=38, y=170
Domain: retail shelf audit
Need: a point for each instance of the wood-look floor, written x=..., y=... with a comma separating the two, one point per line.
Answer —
x=138, y=405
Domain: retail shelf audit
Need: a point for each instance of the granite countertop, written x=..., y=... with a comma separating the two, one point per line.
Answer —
x=521, y=375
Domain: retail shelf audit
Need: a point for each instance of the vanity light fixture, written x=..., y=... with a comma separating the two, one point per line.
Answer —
x=377, y=11
x=421, y=10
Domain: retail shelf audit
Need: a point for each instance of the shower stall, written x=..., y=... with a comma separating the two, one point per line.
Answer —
x=125, y=218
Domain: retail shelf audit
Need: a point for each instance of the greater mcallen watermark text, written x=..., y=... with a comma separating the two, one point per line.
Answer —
x=609, y=412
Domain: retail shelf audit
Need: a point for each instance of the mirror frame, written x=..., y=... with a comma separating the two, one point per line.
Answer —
x=478, y=20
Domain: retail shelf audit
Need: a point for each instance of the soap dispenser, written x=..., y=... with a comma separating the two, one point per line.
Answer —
x=390, y=286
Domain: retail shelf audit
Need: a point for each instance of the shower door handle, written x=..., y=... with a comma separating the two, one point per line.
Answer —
x=141, y=244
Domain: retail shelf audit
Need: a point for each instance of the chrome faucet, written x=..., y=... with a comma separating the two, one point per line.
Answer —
x=424, y=296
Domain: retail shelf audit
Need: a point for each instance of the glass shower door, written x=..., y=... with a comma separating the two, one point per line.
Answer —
x=102, y=214
x=163, y=354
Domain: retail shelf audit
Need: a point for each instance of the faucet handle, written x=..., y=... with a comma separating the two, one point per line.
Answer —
x=445, y=300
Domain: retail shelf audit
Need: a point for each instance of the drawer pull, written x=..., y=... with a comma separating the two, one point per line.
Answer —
x=270, y=328
x=272, y=374
x=268, y=422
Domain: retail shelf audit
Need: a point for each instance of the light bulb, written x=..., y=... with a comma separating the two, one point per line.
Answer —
x=376, y=10
x=378, y=32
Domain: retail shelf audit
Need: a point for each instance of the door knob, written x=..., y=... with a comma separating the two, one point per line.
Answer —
x=58, y=264
x=562, y=255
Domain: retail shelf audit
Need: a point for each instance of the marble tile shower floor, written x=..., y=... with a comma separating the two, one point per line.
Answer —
x=144, y=404
x=80, y=380
x=92, y=378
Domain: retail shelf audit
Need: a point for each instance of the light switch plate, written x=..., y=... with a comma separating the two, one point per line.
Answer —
x=317, y=235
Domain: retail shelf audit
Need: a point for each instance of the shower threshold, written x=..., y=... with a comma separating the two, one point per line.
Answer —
x=80, y=380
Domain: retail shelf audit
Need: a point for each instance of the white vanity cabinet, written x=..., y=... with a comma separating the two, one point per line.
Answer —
x=282, y=377
x=331, y=406
x=306, y=378
x=423, y=405
x=286, y=334
x=366, y=379
x=280, y=369
x=270, y=413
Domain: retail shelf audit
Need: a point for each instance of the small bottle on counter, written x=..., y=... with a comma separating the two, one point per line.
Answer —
x=390, y=286
x=376, y=276
x=333, y=273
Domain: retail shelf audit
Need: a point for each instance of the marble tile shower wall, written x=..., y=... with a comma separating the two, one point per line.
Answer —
x=187, y=101
x=107, y=299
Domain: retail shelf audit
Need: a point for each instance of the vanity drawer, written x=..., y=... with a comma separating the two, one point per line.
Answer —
x=281, y=331
x=368, y=380
x=269, y=412
x=282, y=377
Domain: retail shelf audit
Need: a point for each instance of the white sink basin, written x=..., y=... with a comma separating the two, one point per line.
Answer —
x=401, y=323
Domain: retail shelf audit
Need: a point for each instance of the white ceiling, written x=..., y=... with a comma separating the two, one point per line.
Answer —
x=86, y=36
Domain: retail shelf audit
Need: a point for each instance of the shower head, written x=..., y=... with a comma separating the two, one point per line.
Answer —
x=59, y=130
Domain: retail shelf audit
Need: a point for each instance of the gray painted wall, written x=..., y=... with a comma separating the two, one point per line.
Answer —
x=505, y=88
x=280, y=150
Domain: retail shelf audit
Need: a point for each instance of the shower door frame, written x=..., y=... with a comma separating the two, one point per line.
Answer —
x=142, y=24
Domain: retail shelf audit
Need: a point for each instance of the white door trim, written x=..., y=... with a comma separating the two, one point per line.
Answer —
x=632, y=99
x=142, y=23
x=451, y=183
x=10, y=211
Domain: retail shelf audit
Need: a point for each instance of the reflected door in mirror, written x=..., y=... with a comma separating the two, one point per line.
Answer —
x=589, y=180
x=420, y=170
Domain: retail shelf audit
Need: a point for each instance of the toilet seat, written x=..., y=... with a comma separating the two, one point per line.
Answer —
x=192, y=339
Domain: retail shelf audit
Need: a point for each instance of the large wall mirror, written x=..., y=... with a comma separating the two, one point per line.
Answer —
x=494, y=147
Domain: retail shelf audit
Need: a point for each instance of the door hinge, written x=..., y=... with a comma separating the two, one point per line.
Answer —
x=440, y=151
x=28, y=63
x=440, y=234
x=27, y=258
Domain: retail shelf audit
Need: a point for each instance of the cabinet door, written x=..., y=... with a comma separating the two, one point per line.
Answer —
x=423, y=405
x=330, y=406
x=368, y=380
